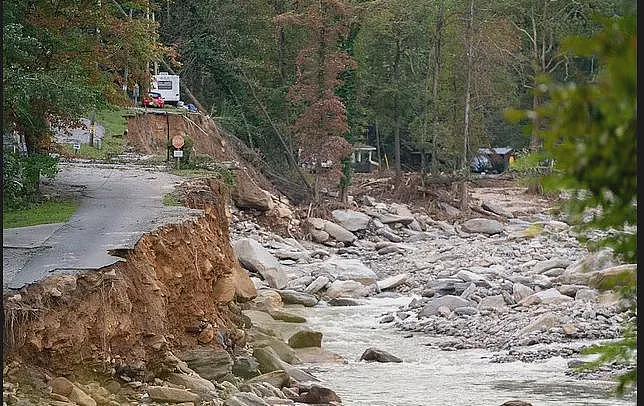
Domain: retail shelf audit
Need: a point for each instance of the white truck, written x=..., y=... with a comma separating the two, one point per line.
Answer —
x=167, y=86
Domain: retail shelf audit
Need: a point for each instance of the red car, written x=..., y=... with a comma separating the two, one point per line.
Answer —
x=153, y=99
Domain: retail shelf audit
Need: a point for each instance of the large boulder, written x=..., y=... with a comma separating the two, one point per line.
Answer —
x=319, y=236
x=61, y=386
x=344, y=269
x=392, y=281
x=244, y=287
x=286, y=316
x=319, y=283
x=285, y=353
x=256, y=258
x=267, y=300
x=543, y=323
x=318, y=395
x=388, y=218
x=374, y=354
x=350, y=219
x=520, y=291
x=495, y=303
x=305, y=338
x=548, y=296
x=497, y=209
x=295, y=297
x=580, y=271
x=342, y=301
x=209, y=363
x=622, y=275
x=171, y=395
x=247, y=195
x=315, y=223
x=449, y=301
x=268, y=359
x=79, y=397
x=277, y=378
x=347, y=289
x=245, y=399
x=195, y=383
x=246, y=367
x=339, y=233
x=543, y=266
x=482, y=226
x=389, y=235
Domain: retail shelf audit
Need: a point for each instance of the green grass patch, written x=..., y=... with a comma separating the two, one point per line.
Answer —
x=170, y=199
x=42, y=213
x=113, y=144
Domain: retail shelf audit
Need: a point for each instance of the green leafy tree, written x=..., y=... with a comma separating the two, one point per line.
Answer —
x=63, y=60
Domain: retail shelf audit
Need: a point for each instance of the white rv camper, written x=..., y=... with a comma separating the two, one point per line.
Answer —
x=167, y=86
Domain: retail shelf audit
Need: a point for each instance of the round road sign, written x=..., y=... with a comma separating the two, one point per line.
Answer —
x=177, y=141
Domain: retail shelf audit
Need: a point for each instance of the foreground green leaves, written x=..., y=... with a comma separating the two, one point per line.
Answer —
x=591, y=133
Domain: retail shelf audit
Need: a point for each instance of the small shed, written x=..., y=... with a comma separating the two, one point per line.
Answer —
x=361, y=158
x=492, y=159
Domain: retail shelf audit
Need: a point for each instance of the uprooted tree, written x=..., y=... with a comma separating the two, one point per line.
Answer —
x=322, y=123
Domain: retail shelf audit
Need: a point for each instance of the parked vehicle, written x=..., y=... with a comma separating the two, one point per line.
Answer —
x=153, y=99
x=167, y=86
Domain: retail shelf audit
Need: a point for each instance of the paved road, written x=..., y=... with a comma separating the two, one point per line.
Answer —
x=118, y=204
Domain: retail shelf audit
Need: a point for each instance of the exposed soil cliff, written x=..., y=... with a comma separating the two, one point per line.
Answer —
x=174, y=290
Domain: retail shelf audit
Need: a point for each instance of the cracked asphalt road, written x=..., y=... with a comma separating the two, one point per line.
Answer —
x=117, y=205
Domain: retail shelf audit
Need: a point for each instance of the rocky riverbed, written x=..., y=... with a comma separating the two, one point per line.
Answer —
x=511, y=283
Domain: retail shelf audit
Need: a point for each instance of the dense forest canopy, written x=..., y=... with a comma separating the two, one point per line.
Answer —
x=426, y=82
x=409, y=83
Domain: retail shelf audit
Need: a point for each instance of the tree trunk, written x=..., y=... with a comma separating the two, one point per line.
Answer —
x=463, y=196
x=535, y=141
x=436, y=78
x=316, y=188
x=397, y=113
x=466, y=128
x=378, y=147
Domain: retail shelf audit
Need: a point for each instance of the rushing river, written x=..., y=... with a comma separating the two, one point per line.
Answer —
x=429, y=376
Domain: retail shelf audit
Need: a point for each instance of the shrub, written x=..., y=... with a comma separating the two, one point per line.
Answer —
x=21, y=177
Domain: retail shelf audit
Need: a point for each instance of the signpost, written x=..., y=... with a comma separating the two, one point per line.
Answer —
x=178, y=153
x=178, y=142
x=77, y=146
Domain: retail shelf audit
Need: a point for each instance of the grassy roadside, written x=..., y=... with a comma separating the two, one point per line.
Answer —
x=42, y=213
x=113, y=144
x=171, y=199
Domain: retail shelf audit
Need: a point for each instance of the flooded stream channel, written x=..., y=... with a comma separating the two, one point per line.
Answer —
x=429, y=376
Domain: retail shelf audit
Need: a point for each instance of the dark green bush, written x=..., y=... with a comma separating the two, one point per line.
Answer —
x=21, y=177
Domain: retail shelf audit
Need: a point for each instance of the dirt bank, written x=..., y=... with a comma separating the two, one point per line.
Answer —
x=174, y=290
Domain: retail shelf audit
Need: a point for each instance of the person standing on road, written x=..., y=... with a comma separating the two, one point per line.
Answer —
x=135, y=94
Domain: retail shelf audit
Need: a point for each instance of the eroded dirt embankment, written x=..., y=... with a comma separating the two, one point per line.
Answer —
x=176, y=289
